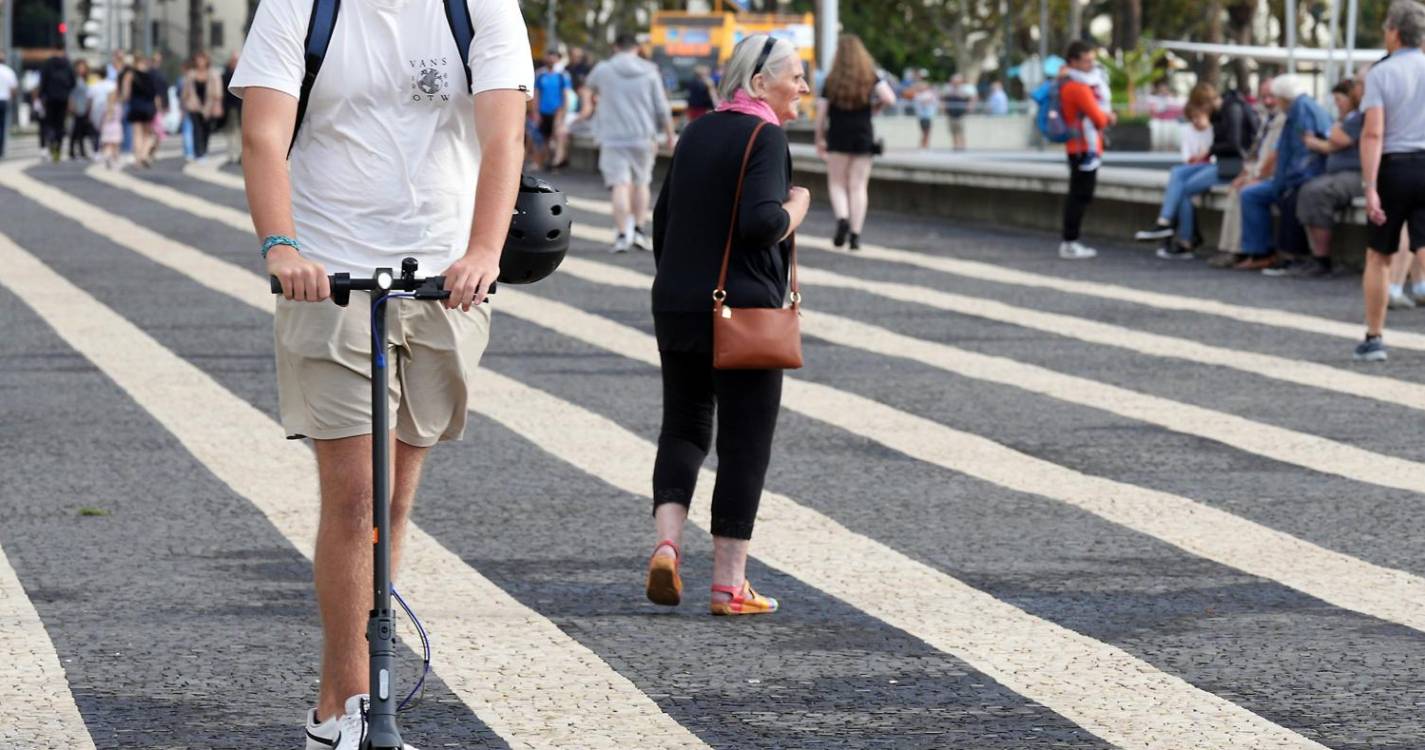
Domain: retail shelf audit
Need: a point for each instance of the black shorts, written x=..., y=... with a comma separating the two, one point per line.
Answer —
x=546, y=126
x=1401, y=183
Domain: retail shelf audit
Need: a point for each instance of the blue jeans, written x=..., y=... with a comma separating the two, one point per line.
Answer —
x=1187, y=182
x=1257, y=202
x=188, y=137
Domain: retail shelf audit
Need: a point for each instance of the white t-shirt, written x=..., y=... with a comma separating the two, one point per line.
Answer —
x=386, y=161
x=8, y=82
x=1195, y=141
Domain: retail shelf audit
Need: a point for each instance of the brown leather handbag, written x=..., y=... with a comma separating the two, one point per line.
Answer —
x=755, y=338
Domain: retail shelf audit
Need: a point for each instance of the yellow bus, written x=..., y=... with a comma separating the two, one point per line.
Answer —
x=679, y=41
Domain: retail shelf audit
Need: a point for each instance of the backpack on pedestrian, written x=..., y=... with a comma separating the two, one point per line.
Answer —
x=1050, y=120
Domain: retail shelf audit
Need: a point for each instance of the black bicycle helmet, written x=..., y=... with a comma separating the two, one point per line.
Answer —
x=539, y=233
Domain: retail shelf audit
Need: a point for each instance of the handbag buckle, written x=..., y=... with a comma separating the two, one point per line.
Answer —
x=719, y=295
x=796, y=298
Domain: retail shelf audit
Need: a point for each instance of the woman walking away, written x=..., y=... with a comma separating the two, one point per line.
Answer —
x=202, y=101
x=139, y=90
x=845, y=138
x=692, y=221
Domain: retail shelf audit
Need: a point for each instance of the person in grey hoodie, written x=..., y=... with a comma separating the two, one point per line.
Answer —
x=629, y=108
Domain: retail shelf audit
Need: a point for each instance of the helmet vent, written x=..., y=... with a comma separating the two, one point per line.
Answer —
x=553, y=234
x=556, y=209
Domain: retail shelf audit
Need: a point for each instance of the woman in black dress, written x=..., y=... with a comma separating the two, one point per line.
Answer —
x=692, y=220
x=141, y=93
x=845, y=138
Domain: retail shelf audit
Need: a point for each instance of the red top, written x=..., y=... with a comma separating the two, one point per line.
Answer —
x=1079, y=103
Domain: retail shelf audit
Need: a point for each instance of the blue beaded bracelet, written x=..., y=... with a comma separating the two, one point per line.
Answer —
x=273, y=240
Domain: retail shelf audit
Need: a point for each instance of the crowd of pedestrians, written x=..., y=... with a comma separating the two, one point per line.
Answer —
x=120, y=113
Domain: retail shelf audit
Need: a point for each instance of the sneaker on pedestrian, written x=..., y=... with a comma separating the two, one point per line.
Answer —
x=1175, y=251
x=345, y=732
x=1417, y=294
x=1311, y=268
x=1281, y=267
x=1400, y=301
x=1371, y=350
x=621, y=244
x=641, y=240
x=1157, y=232
x=1076, y=251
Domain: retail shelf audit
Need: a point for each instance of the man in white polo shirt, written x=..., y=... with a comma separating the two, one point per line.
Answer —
x=399, y=154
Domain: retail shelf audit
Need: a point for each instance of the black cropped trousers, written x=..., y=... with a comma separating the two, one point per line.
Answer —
x=746, y=404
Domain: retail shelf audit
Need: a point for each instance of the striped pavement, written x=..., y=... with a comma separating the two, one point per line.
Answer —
x=1010, y=548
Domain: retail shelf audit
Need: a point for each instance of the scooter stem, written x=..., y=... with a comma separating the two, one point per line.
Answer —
x=382, y=733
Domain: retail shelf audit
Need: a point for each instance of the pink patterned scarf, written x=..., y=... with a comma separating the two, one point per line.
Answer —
x=745, y=104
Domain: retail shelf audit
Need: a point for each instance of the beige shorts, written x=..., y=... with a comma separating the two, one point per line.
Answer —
x=324, y=367
x=627, y=165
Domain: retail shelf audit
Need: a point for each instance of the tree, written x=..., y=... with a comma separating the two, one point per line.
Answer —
x=1212, y=67
x=195, y=26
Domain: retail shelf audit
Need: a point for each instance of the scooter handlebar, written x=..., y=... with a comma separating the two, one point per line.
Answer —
x=342, y=285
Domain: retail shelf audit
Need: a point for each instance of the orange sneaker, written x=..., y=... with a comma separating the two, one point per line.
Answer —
x=744, y=601
x=664, y=585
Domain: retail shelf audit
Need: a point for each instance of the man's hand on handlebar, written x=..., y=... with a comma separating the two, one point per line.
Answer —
x=302, y=280
x=468, y=280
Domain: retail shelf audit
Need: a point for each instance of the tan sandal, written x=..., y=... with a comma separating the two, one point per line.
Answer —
x=664, y=585
x=744, y=601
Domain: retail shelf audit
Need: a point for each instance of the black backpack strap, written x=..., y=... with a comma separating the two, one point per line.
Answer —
x=319, y=37
x=457, y=14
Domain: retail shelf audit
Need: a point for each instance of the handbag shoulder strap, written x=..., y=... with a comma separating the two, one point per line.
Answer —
x=720, y=293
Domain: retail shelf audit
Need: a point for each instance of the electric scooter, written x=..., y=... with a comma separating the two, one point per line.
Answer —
x=382, y=732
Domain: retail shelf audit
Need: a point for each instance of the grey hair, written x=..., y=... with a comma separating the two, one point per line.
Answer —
x=738, y=74
x=1407, y=17
x=1287, y=88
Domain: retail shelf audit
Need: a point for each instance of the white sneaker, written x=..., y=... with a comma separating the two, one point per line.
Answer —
x=1401, y=302
x=641, y=240
x=345, y=732
x=1076, y=251
x=621, y=244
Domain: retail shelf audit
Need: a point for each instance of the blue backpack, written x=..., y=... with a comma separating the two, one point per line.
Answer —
x=319, y=37
x=1050, y=117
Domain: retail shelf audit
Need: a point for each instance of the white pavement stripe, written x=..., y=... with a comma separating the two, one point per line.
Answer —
x=1103, y=689
x=523, y=676
x=212, y=172
x=1388, y=390
x=1278, y=443
x=37, y=708
x=1311, y=374
x=1004, y=275
x=1200, y=529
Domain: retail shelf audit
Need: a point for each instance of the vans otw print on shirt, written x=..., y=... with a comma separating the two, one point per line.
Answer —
x=430, y=80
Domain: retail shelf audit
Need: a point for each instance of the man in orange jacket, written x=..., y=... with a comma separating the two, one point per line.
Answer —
x=1084, y=101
